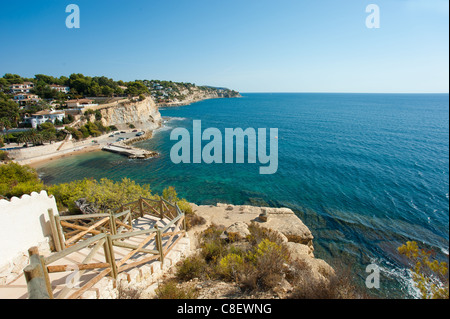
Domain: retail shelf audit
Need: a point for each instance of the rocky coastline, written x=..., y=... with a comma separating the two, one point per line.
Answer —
x=198, y=96
x=237, y=220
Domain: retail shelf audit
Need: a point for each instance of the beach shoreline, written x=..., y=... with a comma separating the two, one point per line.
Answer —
x=39, y=161
x=36, y=163
x=90, y=145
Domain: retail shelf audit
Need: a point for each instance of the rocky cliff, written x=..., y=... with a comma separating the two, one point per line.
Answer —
x=296, y=236
x=195, y=94
x=142, y=114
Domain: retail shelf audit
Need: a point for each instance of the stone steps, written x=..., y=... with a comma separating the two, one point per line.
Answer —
x=143, y=277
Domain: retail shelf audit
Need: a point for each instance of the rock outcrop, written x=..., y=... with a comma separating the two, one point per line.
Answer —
x=197, y=94
x=295, y=234
x=142, y=114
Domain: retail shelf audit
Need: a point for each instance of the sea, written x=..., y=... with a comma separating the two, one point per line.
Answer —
x=365, y=172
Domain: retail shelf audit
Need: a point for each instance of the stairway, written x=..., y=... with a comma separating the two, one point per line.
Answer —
x=144, y=277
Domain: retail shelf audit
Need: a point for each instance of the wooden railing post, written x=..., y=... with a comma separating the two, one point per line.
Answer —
x=184, y=222
x=54, y=230
x=38, y=282
x=62, y=239
x=130, y=220
x=107, y=252
x=159, y=245
x=112, y=223
x=112, y=259
x=161, y=209
x=141, y=206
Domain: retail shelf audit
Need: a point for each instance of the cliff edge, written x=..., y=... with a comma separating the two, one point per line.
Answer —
x=295, y=235
x=142, y=114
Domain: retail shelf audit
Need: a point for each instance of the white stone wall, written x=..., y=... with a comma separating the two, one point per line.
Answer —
x=23, y=223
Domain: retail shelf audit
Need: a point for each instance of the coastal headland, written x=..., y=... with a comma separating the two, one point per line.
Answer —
x=142, y=115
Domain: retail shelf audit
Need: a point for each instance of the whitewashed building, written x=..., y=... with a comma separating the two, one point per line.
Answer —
x=23, y=98
x=80, y=103
x=25, y=87
x=44, y=116
x=60, y=88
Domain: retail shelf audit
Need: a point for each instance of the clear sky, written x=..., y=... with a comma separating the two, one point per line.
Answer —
x=246, y=45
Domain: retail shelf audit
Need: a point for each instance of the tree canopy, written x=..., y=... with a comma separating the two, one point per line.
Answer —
x=16, y=180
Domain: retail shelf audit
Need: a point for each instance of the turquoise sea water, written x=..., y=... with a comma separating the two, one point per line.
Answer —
x=365, y=172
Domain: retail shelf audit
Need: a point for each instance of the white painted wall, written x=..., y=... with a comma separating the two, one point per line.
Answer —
x=24, y=223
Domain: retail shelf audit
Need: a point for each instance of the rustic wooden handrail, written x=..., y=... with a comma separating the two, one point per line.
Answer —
x=36, y=277
x=85, y=216
x=85, y=234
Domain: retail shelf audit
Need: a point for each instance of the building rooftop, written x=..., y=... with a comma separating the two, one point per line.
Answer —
x=80, y=101
x=46, y=112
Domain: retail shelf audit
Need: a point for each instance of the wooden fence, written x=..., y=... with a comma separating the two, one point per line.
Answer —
x=104, y=230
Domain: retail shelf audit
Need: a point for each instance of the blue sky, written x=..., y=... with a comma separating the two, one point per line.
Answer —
x=247, y=45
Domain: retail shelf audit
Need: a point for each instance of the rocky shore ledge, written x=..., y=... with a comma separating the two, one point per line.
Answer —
x=236, y=218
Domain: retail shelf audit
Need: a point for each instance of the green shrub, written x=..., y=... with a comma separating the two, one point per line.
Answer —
x=266, y=247
x=85, y=132
x=104, y=194
x=98, y=115
x=192, y=267
x=170, y=290
x=76, y=134
x=213, y=250
x=170, y=194
x=258, y=234
x=429, y=275
x=4, y=156
x=101, y=127
x=17, y=180
x=212, y=246
x=265, y=268
x=231, y=266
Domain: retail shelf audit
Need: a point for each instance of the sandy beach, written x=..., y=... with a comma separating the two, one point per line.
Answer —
x=86, y=146
x=40, y=162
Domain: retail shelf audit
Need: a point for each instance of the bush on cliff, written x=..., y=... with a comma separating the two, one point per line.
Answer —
x=4, y=157
x=430, y=275
x=103, y=194
x=16, y=180
x=261, y=264
x=192, y=219
x=254, y=265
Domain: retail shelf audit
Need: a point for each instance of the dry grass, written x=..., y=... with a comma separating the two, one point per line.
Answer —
x=128, y=292
x=258, y=264
x=170, y=290
x=339, y=286
x=193, y=219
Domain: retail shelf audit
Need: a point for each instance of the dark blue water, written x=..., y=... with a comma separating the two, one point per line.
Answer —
x=365, y=172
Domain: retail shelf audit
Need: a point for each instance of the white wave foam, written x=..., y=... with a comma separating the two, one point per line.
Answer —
x=403, y=275
x=170, y=119
x=162, y=129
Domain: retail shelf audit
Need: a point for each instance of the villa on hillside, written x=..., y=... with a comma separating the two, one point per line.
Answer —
x=80, y=103
x=24, y=98
x=60, y=88
x=25, y=87
x=44, y=116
